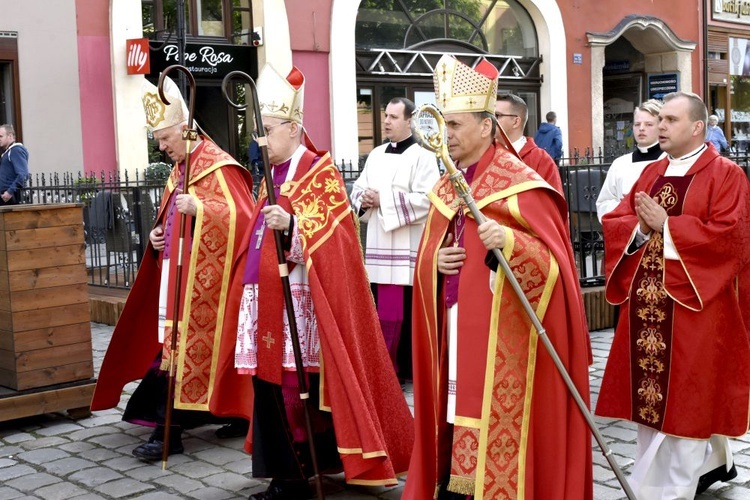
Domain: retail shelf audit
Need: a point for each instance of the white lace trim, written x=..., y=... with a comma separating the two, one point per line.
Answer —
x=307, y=329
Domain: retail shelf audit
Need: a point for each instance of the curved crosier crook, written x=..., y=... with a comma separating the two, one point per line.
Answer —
x=191, y=84
x=240, y=75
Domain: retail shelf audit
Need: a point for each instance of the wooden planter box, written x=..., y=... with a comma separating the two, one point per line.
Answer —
x=45, y=334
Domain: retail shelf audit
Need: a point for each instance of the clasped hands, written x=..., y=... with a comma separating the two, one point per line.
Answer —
x=370, y=199
x=651, y=215
x=451, y=258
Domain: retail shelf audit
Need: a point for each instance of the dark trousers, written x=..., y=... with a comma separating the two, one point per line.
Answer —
x=275, y=453
x=403, y=357
x=148, y=404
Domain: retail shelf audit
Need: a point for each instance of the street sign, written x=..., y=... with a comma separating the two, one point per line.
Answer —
x=662, y=84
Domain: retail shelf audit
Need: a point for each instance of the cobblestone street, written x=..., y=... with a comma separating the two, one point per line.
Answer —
x=54, y=457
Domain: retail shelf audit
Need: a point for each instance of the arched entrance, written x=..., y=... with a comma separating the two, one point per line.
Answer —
x=520, y=30
x=399, y=46
x=639, y=59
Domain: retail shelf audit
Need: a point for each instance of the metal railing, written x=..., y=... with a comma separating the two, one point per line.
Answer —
x=119, y=213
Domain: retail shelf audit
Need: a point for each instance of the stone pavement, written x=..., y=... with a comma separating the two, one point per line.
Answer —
x=53, y=457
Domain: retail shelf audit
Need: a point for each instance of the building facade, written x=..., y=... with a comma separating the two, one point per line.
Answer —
x=55, y=83
x=590, y=62
x=66, y=87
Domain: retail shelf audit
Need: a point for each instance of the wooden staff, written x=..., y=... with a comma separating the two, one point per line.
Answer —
x=435, y=142
x=189, y=135
x=281, y=258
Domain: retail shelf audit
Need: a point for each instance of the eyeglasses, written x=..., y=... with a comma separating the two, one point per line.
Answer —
x=500, y=115
x=267, y=128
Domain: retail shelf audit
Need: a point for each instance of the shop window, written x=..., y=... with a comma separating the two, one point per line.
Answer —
x=487, y=26
x=738, y=98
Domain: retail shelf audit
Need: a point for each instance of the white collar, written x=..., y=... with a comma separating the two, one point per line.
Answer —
x=519, y=144
x=645, y=150
x=688, y=159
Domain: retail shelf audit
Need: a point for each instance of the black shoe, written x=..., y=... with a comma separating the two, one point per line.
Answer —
x=281, y=489
x=237, y=428
x=152, y=450
x=718, y=474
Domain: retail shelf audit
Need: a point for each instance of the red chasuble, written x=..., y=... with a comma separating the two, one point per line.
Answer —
x=206, y=378
x=540, y=161
x=679, y=358
x=517, y=433
x=373, y=425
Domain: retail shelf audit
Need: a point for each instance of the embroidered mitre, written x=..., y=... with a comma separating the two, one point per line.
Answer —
x=281, y=97
x=160, y=115
x=461, y=89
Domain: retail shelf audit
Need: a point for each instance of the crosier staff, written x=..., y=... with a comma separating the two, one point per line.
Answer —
x=434, y=140
x=281, y=258
x=189, y=135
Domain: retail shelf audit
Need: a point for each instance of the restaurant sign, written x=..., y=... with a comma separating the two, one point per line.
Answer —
x=204, y=60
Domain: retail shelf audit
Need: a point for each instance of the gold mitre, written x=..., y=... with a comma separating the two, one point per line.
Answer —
x=461, y=89
x=158, y=114
x=281, y=97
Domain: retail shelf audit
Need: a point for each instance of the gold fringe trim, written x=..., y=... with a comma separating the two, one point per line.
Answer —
x=461, y=485
x=373, y=482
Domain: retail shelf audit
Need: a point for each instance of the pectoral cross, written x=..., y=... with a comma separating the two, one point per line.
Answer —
x=268, y=339
x=259, y=234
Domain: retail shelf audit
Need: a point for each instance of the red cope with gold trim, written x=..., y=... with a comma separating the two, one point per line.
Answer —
x=518, y=433
x=373, y=425
x=678, y=359
x=208, y=312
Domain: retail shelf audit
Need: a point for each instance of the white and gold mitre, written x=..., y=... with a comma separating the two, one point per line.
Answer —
x=281, y=97
x=158, y=114
x=461, y=89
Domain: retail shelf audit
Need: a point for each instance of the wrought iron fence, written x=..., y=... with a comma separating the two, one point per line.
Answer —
x=581, y=186
x=119, y=213
x=583, y=176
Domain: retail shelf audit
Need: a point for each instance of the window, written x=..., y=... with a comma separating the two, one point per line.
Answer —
x=217, y=19
x=242, y=22
x=210, y=18
x=10, y=97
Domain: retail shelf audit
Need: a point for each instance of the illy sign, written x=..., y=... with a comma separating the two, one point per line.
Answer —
x=139, y=61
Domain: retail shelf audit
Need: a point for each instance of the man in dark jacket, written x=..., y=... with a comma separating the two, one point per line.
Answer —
x=549, y=137
x=14, y=166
